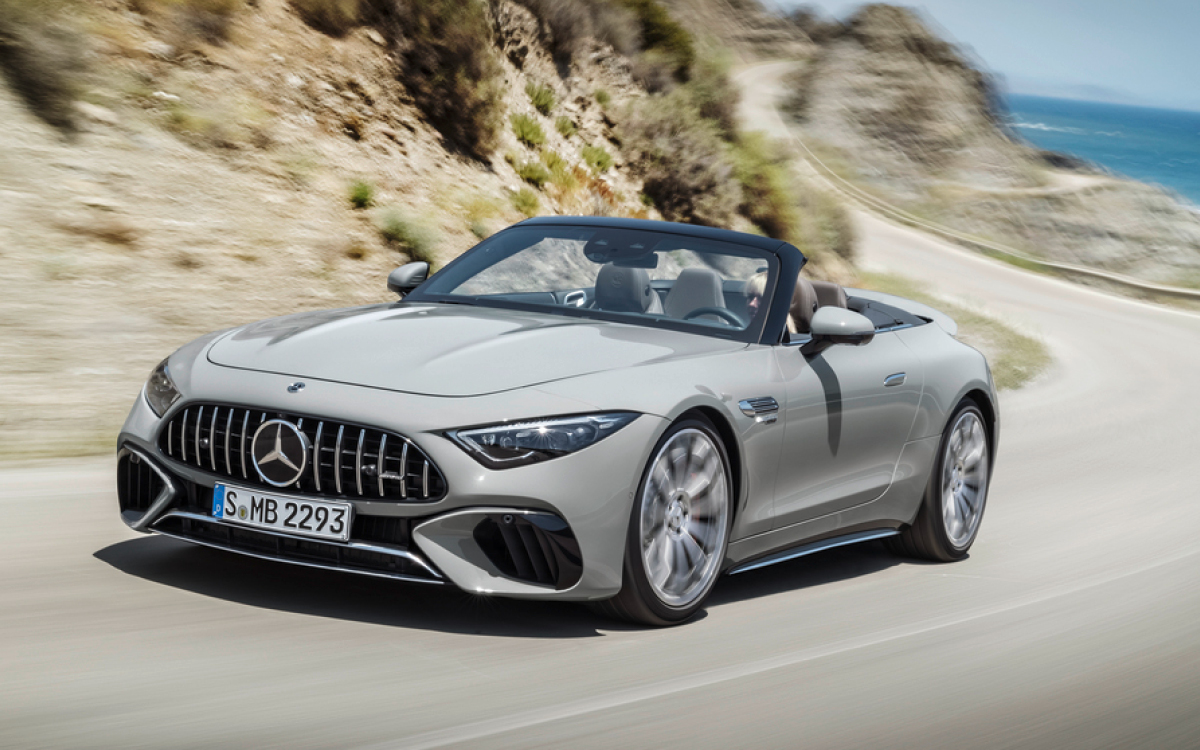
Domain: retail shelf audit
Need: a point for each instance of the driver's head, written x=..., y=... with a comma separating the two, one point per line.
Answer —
x=756, y=287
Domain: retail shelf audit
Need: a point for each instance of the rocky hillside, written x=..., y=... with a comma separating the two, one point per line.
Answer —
x=170, y=167
x=901, y=112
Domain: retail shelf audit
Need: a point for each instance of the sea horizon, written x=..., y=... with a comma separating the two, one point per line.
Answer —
x=1156, y=145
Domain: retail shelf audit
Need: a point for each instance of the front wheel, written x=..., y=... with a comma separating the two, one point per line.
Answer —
x=678, y=528
x=948, y=521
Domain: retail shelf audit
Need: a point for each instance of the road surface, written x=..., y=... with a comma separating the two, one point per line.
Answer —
x=1075, y=623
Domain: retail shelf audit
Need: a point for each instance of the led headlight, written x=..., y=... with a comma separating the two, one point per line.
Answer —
x=521, y=443
x=160, y=390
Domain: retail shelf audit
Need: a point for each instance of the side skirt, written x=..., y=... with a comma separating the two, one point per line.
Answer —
x=810, y=548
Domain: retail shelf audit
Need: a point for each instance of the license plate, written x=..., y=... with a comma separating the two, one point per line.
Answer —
x=320, y=519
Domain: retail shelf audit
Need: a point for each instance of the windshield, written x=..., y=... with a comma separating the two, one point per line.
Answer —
x=628, y=275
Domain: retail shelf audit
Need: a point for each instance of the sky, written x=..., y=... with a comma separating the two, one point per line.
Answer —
x=1145, y=53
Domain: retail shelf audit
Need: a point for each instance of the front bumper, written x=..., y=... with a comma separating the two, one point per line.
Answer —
x=550, y=530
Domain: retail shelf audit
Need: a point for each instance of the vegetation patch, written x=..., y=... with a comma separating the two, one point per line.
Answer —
x=450, y=67
x=603, y=98
x=683, y=161
x=362, y=194
x=526, y=201
x=331, y=16
x=768, y=197
x=1015, y=357
x=662, y=33
x=409, y=235
x=562, y=175
x=565, y=126
x=542, y=97
x=570, y=22
x=528, y=130
x=533, y=172
x=43, y=58
x=597, y=158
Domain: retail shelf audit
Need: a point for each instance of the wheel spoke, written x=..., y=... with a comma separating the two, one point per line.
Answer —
x=684, y=513
x=696, y=556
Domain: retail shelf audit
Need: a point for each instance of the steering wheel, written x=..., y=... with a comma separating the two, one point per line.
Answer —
x=726, y=315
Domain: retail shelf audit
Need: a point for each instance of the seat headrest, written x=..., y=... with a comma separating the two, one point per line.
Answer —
x=829, y=294
x=804, y=304
x=695, y=288
x=620, y=289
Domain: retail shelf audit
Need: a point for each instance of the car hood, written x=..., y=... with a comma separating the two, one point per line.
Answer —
x=449, y=350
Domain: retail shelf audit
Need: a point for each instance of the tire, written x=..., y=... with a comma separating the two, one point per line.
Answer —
x=678, y=534
x=952, y=508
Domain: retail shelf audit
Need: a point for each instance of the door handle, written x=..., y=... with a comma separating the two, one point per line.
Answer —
x=896, y=379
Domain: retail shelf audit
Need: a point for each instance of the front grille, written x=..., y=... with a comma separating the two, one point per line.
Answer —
x=138, y=485
x=290, y=549
x=345, y=460
x=537, y=548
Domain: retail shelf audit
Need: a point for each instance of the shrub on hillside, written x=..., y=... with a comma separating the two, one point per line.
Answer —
x=533, y=172
x=450, y=67
x=603, y=98
x=661, y=32
x=42, y=58
x=714, y=93
x=569, y=22
x=409, y=235
x=597, y=158
x=562, y=175
x=682, y=159
x=526, y=201
x=768, y=196
x=565, y=126
x=542, y=97
x=527, y=130
x=362, y=194
x=331, y=16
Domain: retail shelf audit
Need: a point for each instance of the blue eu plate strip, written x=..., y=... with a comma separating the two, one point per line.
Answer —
x=219, y=501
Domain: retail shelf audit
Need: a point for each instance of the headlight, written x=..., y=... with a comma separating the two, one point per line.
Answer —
x=508, y=445
x=160, y=391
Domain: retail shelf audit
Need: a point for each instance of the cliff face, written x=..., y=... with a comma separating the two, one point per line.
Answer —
x=908, y=103
x=897, y=110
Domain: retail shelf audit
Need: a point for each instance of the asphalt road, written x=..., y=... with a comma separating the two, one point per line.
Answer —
x=1075, y=623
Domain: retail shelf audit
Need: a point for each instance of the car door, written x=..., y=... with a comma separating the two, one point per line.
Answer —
x=848, y=411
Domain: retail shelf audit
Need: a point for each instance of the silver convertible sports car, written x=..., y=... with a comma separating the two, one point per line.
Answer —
x=600, y=410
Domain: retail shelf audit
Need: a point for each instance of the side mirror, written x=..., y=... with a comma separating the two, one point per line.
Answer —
x=408, y=277
x=837, y=325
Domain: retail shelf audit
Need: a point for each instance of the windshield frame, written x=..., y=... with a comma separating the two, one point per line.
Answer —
x=784, y=262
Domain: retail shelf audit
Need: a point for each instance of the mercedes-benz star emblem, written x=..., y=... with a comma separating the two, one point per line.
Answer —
x=280, y=452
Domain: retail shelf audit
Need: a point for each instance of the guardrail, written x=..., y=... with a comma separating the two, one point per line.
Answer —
x=994, y=249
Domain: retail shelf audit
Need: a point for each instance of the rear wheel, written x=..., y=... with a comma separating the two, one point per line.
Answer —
x=951, y=511
x=678, y=528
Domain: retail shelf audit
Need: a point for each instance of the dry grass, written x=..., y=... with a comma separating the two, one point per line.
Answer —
x=1015, y=357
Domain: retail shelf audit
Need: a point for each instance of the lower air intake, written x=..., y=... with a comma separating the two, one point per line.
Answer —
x=537, y=548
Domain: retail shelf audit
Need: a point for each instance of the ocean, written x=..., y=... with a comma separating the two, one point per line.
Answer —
x=1161, y=146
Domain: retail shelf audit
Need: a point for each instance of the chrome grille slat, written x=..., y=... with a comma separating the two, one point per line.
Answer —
x=317, y=456
x=337, y=460
x=362, y=435
x=212, y=439
x=395, y=469
x=228, y=432
x=183, y=436
x=381, y=462
x=242, y=450
x=404, y=471
x=199, y=421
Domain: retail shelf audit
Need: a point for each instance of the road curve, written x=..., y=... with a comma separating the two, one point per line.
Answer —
x=1075, y=623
